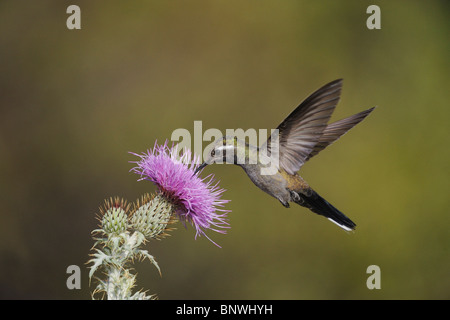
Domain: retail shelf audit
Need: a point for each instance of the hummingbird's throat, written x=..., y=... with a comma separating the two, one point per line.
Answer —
x=244, y=154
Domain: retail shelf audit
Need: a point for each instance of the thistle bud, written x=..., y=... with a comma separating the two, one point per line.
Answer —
x=151, y=215
x=114, y=216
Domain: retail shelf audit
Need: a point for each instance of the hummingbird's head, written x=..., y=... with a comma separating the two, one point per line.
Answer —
x=228, y=149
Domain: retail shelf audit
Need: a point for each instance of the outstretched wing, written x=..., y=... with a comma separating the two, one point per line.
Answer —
x=300, y=132
x=336, y=130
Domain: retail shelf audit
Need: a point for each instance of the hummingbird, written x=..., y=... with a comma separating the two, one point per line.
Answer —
x=302, y=135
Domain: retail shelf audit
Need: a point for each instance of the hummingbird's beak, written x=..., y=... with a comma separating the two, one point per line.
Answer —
x=204, y=164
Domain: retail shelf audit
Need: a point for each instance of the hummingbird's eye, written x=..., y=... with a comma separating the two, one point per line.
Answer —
x=213, y=152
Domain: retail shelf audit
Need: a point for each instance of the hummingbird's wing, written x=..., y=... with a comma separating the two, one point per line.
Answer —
x=302, y=129
x=336, y=130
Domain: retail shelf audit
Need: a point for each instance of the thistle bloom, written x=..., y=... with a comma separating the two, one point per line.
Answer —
x=126, y=227
x=196, y=200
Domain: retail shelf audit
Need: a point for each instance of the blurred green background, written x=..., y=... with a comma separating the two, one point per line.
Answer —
x=74, y=102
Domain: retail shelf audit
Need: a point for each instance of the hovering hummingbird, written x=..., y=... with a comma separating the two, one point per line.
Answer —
x=302, y=135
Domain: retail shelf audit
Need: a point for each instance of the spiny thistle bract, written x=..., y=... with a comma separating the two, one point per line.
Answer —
x=181, y=194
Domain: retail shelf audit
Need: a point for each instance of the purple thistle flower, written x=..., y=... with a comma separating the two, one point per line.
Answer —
x=197, y=200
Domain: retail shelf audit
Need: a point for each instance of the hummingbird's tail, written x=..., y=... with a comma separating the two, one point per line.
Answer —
x=314, y=202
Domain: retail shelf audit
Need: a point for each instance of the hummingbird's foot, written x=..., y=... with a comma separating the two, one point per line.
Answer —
x=295, y=197
x=284, y=203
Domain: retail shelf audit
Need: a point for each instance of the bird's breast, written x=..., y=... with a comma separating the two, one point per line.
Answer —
x=275, y=185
